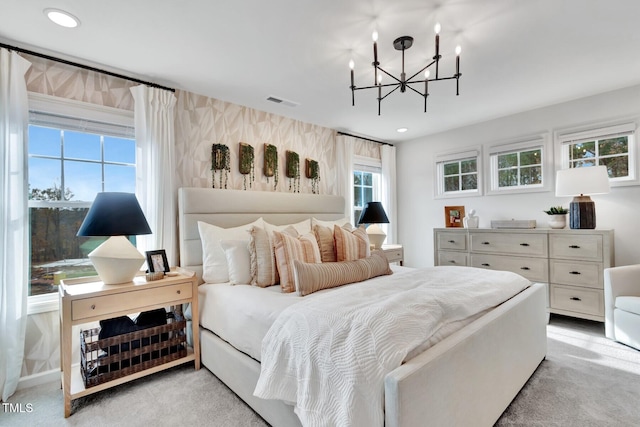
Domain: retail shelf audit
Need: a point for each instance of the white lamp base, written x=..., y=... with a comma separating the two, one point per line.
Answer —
x=376, y=235
x=116, y=260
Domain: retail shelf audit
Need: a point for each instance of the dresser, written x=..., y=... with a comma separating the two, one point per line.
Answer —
x=570, y=262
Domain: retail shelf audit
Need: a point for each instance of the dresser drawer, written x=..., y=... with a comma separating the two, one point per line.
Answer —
x=581, y=247
x=452, y=258
x=455, y=241
x=510, y=244
x=133, y=300
x=588, y=274
x=534, y=269
x=577, y=299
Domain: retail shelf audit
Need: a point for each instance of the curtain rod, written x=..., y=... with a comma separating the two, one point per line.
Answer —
x=86, y=67
x=366, y=139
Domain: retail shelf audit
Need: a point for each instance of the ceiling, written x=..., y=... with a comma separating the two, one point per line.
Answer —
x=516, y=55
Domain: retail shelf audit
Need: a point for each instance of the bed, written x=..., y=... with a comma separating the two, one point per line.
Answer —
x=467, y=378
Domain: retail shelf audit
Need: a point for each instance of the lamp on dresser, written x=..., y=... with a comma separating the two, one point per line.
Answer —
x=581, y=182
x=374, y=214
x=116, y=215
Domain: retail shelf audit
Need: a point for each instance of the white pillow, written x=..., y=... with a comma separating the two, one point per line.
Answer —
x=214, y=262
x=238, y=261
x=339, y=222
x=302, y=227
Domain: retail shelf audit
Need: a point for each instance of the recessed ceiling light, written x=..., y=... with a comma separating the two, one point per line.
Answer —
x=402, y=130
x=62, y=18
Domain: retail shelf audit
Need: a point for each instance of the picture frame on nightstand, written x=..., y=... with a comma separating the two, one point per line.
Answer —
x=157, y=261
x=453, y=216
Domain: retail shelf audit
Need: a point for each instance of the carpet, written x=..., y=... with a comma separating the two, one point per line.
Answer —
x=586, y=380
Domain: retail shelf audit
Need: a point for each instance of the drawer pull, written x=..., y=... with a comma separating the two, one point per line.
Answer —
x=524, y=244
x=574, y=272
x=451, y=241
x=451, y=261
x=574, y=246
x=178, y=291
x=525, y=268
x=93, y=306
x=486, y=265
x=486, y=243
x=575, y=299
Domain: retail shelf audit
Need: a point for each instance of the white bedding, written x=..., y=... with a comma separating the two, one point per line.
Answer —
x=242, y=314
x=328, y=355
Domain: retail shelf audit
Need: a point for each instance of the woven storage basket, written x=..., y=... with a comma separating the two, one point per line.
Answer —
x=106, y=359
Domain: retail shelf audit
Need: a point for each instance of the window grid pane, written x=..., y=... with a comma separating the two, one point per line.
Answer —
x=612, y=152
x=460, y=175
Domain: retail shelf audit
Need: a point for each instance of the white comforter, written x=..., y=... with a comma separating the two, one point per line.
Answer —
x=328, y=355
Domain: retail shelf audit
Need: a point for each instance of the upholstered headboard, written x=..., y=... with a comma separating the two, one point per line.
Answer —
x=231, y=208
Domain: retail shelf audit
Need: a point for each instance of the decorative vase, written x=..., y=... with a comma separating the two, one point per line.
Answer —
x=558, y=221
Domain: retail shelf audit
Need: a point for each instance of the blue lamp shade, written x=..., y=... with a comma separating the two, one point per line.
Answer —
x=374, y=214
x=114, y=214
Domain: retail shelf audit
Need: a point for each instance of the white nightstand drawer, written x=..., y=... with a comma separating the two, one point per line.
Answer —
x=510, y=243
x=132, y=300
x=581, y=247
x=588, y=274
x=451, y=240
x=534, y=269
x=576, y=299
x=394, y=253
x=452, y=258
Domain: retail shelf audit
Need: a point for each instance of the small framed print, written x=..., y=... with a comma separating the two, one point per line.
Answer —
x=157, y=261
x=453, y=216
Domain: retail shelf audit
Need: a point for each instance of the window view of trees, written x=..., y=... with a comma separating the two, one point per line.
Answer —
x=611, y=152
x=521, y=168
x=366, y=188
x=461, y=175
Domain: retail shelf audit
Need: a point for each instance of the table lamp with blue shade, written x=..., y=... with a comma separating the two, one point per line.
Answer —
x=374, y=214
x=116, y=215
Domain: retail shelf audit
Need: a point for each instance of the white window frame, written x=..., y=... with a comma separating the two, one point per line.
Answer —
x=368, y=164
x=452, y=156
x=523, y=144
x=97, y=119
x=567, y=137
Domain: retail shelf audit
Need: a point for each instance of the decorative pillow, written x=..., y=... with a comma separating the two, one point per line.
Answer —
x=214, y=261
x=326, y=242
x=264, y=271
x=311, y=278
x=302, y=227
x=351, y=245
x=289, y=249
x=238, y=261
x=339, y=222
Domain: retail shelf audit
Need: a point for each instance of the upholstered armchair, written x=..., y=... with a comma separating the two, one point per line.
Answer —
x=622, y=304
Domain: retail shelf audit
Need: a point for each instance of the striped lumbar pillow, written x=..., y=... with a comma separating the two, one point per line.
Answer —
x=311, y=278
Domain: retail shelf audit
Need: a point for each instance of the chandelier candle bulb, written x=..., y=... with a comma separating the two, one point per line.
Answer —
x=374, y=37
x=353, y=97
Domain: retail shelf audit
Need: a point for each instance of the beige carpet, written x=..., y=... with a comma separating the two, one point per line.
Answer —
x=585, y=381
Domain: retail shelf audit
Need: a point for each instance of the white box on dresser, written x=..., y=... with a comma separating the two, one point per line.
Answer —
x=570, y=262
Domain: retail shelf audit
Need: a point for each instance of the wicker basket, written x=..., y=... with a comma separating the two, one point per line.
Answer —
x=106, y=359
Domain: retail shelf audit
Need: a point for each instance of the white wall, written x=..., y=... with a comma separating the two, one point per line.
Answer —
x=419, y=212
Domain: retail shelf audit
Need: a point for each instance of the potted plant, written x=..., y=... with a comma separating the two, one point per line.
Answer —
x=557, y=216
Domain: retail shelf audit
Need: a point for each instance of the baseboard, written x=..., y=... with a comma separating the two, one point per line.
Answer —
x=38, y=379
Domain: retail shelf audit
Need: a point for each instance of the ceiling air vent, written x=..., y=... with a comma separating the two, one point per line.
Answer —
x=282, y=101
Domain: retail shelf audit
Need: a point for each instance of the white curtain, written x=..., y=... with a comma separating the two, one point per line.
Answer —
x=388, y=193
x=154, y=113
x=14, y=257
x=344, y=162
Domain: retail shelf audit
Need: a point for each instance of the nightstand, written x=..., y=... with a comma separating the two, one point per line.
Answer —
x=87, y=299
x=394, y=253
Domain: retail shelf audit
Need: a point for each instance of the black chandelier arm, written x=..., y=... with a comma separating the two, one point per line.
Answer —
x=397, y=86
x=420, y=72
x=390, y=75
x=377, y=86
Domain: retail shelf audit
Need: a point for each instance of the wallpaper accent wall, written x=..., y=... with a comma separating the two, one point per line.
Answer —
x=202, y=121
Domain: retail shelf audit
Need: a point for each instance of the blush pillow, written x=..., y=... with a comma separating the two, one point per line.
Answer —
x=311, y=278
x=215, y=268
x=288, y=249
x=326, y=241
x=351, y=245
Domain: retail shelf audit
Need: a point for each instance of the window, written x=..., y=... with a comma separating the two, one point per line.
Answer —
x=71, y=159
x=457, y=174
x=367, y=178
x=613, y=147
x=519, y=167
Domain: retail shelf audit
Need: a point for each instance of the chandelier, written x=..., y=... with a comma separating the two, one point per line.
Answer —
x=403, y=83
